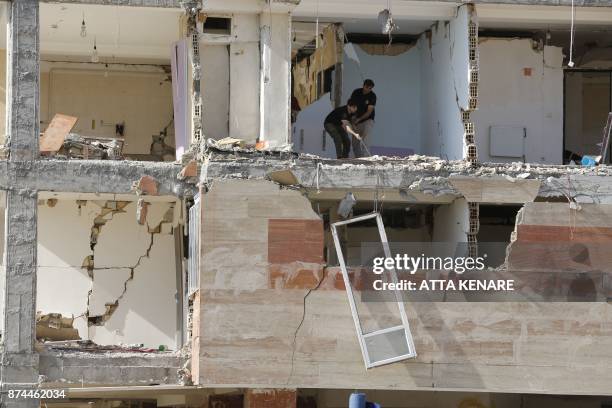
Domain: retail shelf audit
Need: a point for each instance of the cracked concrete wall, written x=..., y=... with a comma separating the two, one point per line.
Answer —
x=445, y=85
x=521, y=87
x=128, y=294
x=269, y=321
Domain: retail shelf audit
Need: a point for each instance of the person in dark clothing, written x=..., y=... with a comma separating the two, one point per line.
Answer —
x=338, y=125
x=365, y=99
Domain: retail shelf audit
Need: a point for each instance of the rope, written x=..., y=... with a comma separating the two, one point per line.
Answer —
x=571, y=56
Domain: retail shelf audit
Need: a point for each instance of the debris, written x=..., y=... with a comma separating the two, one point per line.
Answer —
x=190, y=170
x=95, y=148
x=263, y=145
x=141, y=211
x=283, y=177
x=52, y=202
x=147, y=185
x=53, y=138
x=346, y=205
x=54, y=326
x=229, y=141
x=91, y=347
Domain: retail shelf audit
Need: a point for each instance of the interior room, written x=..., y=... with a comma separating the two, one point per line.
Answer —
x=124, y=270
x=544, y=94
x=107, y=72
x=415, y=76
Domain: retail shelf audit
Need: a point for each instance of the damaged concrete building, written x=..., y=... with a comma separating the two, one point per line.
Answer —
x=174, y=231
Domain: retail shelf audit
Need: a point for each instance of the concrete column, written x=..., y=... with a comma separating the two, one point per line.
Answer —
x=22, y=87
x=270, y=398
x=19, y=361
x=275, y=79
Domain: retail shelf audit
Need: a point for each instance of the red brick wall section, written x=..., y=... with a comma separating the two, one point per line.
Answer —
x=226, y=401
x=291, y=240
x=270, y=398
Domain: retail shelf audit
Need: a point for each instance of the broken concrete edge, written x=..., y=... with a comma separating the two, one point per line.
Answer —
x=428, y=175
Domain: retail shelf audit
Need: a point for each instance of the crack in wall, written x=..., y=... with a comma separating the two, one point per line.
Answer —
x=111, y=307
x=107, y=213
x=294, y=343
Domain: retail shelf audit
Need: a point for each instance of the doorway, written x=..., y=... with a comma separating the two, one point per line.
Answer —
x=587, y=102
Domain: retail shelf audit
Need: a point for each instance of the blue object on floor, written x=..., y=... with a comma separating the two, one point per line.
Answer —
x=588, y=161
x=372, y=405
x=357, y=400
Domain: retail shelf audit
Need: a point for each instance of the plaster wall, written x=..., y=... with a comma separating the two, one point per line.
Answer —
x=445, y=85
x=275, y=78
x=521, y=87
x=144, y=285
x=244, y=78
x=451, y=222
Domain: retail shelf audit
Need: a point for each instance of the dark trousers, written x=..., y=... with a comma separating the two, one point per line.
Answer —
x=342, y=141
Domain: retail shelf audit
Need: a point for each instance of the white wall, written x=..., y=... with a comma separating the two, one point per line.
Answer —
x=451, y=222
x=309, y=128
x=445, y=86
x=147, y=312
x=215, y=88
x=244, y=77
x=508, y=97
x=275, y=78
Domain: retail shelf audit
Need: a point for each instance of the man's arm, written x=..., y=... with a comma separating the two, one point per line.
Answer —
x=347, y=126
x=366, y=115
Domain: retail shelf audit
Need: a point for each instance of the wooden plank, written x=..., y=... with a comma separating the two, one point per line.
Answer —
x=53, y=138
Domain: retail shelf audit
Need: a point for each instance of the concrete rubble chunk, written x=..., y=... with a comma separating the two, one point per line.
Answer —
x=54, y=326
x=141, y=211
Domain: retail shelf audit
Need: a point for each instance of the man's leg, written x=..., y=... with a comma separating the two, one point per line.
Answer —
x=363, y=129
x=335, y=132
x=346, y=143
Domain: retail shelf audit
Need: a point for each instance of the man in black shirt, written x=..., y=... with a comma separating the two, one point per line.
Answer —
x=365, y=99
x=338, y=125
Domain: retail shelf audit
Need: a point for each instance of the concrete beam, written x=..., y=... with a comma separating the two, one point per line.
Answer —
x=91, y=176
x=19, y=361
x=424, y=175
x=78, y=368
x=22, y=91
